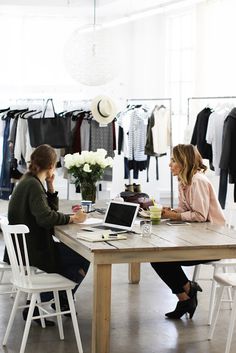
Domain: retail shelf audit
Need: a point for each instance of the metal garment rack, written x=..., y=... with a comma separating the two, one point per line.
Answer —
x=169, y=100
x=204, y=98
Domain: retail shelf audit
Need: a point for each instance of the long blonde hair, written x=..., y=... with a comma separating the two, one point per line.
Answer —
x=190, y=162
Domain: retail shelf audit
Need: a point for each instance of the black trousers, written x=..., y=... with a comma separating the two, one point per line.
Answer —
x=71, y=263
x=172, y=273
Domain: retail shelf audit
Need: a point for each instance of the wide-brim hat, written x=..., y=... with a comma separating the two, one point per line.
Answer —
x=103, y=109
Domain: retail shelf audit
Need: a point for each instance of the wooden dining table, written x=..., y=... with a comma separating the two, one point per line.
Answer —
x=195, y=241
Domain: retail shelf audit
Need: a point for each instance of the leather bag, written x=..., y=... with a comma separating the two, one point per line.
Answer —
x=54, y=130
x=137, y=197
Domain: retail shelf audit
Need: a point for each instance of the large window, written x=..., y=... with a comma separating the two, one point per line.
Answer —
x=180, y=68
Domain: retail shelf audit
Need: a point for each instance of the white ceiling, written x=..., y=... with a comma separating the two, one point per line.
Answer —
x=112, y=5
x=83, y=3
x=106, y=10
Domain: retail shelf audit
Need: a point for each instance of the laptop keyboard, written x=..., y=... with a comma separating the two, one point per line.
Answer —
x=110, y=228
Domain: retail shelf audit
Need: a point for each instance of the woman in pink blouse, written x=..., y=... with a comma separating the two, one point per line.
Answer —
x=197, y=203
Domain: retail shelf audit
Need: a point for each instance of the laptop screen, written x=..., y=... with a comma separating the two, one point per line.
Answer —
x=121, y=214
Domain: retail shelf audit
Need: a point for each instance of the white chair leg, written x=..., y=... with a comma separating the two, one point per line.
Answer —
x=1, y=276
x=212, y=301
x=28, y=322
x=216, y=312
x=59, y=319
x=196, y=272
x=43, y=324
x=12, y=291
x=74, y=320
x=229, y=289
x=12, y=317
x=231, y=325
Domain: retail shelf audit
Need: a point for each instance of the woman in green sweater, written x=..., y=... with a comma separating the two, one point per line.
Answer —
x=37, y=207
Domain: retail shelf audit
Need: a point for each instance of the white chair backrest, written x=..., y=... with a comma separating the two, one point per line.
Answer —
x=15, y=241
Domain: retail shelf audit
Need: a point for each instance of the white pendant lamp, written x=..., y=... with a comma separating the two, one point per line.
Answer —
x=90, y=55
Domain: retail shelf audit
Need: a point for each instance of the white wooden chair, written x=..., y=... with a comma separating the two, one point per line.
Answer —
x=5, y=287
x=28, y=282
x=225, y=280
x=218, y=267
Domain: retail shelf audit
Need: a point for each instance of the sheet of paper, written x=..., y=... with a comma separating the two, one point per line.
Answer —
x=91, y=220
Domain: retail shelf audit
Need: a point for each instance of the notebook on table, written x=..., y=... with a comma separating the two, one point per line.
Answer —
x=119, y=218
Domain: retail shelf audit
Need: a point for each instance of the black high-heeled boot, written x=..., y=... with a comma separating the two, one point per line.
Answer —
x=194, y=288
x=183, y=307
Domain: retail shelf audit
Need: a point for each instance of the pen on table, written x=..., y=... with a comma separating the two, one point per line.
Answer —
x=110, y=236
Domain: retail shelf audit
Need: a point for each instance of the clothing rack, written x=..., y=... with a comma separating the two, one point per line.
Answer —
x=68, y=103
x=205, y=98
x=21, y=101
x=169, y=100
x=221, y=197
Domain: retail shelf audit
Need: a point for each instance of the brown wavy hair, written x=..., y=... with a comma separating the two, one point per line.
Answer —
x=44, y=157
x=190, y=161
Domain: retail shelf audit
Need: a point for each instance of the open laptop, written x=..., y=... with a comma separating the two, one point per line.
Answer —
x=119, y=217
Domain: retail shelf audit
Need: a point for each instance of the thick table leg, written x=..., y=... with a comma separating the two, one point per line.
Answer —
x=101, y=309
x=134, y=273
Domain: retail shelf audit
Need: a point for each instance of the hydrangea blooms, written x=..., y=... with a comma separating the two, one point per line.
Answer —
x=87, y=166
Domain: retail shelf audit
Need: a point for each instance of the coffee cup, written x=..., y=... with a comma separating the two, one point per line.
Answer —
x=155, y=213
x=86, y=205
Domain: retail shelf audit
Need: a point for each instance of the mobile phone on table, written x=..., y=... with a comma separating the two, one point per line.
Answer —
x=172, y=223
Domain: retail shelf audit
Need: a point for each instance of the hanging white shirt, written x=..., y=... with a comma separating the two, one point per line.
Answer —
x=161, y=130
x=214, y=136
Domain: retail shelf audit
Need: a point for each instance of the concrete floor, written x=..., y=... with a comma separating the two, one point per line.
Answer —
x=138, y=323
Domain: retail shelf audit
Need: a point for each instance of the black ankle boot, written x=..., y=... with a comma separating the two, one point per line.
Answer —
x=194, y=288
x=129, y=187
x=137, y=187
x=183, y=307
x=36, y=312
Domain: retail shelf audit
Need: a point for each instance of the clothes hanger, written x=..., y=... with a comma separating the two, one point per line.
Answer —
x=27, y=112
x=31, y=115
x=4, y=110
x=70, y=113
x=87, y=115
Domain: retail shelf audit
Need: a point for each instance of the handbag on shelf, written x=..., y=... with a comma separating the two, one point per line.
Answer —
x=54, y=130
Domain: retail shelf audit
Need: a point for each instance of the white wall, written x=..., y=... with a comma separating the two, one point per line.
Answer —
x=32, y=64
x=216, y=52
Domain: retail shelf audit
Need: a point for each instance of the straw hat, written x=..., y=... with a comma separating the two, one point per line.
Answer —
x=103, y=109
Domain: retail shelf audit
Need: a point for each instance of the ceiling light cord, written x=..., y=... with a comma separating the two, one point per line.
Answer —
x=94, y=13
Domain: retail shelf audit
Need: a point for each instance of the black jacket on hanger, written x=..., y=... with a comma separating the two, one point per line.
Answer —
x=199, y=135
x=228, y=160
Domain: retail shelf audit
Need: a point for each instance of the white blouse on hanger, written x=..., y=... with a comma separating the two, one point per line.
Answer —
x=161, y=130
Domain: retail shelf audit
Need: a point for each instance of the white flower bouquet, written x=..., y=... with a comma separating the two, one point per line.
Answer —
x=87, y=166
